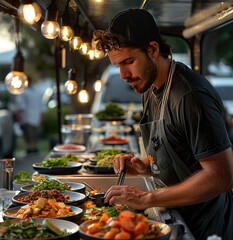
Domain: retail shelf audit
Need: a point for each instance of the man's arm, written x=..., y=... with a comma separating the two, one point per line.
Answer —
x=215, y=178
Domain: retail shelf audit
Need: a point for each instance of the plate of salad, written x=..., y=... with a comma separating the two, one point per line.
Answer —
x=57, y=166
x=50, y=184
x=21, y=179
x=103, y=153
x=38, y=228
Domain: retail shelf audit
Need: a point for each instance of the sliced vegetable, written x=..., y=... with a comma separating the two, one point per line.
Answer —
x=49, y=225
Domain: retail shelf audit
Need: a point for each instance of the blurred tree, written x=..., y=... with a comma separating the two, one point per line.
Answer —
x=38, y=51
x=224, y=45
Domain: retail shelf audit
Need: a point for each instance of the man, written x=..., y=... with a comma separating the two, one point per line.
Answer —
x=31, y=108
x=183, y=129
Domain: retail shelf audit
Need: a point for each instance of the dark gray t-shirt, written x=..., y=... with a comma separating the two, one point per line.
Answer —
x=195, y=128
x=194, y=116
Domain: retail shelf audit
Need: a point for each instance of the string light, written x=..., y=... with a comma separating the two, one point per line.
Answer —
x=98, y=86
x=29, y=11
x=50, y=27
x=91, y=54
x=76, y=41
x=71, y=85
x=83, y=96
x=16, y=81
x=85, y=48
x=66, y=32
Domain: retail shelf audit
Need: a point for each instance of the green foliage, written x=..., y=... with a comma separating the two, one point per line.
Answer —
x=224, y=45
x=178, y=44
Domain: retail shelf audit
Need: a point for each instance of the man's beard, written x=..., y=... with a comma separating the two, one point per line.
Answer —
x=148, y=76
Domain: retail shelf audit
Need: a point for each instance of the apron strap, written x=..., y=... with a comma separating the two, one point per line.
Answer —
x=181, y=169
x=167, y=89
x=148, y=98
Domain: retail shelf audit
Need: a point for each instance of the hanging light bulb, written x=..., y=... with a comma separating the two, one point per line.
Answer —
x=85, y=48
x=66, y=32
x=97, y=85
x=83, y=96
x=71, y=85
x=76, y=41
x=16, y=81
x=91, y=54
x=29, y=11
x=50, y=27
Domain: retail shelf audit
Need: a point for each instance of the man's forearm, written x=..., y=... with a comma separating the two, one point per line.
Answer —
x=198, y=188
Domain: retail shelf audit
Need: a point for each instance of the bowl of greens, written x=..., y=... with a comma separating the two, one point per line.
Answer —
x=21, y=179
x=57, y=166
x=111, y=112
x=50, y=184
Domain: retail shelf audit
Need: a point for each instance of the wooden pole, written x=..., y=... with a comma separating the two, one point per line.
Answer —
x=57, y=68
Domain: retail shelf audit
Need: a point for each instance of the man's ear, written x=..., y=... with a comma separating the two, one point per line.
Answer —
x=154, y=49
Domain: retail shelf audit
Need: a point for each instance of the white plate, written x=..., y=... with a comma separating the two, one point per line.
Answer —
x=77, y=148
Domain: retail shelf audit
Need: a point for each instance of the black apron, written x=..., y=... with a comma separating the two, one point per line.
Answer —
x=167, y=166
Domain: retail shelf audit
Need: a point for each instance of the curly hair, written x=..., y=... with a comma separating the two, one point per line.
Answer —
x=104, y=40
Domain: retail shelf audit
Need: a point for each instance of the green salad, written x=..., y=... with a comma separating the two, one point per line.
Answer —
x=111, y=110
x=29, y=229
x=54, y=162
x=50, y=184
x=23, y=177
x=105, y=152
x=70, y=158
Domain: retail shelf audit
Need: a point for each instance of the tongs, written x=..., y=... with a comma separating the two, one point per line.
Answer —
x=121, y=178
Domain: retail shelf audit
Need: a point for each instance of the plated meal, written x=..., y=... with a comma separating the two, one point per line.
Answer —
x=48, y=194
x=114, y=140
x=69, y=197
x=64, y=168
x=69, y=148
x=111, y=112
x=128, y=225
x=40, y=177
x=45, y=208
x=49, y=184
x=93, y=212
x=104, y=157
x=37, y=229
x=103, y=162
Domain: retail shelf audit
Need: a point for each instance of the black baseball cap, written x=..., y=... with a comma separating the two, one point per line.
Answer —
x=135, y=27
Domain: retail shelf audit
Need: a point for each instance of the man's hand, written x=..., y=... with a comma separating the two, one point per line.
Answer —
x=131, y=196
x=134, y=165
